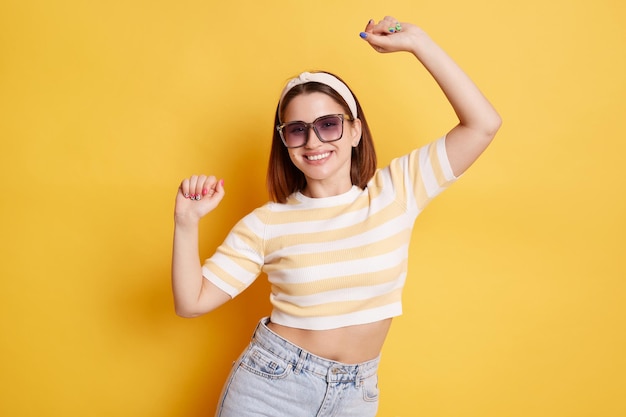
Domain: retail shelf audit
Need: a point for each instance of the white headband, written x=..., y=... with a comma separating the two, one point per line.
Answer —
x=327, y=79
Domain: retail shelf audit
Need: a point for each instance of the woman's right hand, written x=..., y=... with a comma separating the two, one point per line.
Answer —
x=197, y=196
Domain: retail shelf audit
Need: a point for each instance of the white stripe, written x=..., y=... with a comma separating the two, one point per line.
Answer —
x=254, y=224
x=371, y=237
x=428, y=175
x=333, y=322
x=308, y=226
x=442, y=154
x=234, y=269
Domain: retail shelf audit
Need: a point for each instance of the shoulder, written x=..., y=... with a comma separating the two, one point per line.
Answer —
x=429, y=156
x=268, y=212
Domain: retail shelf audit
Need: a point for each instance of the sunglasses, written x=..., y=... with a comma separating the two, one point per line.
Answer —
x=327, y=128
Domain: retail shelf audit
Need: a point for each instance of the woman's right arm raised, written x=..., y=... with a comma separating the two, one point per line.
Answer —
x=193, y=294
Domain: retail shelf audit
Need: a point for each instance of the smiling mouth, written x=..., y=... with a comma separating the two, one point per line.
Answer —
x=318, y=156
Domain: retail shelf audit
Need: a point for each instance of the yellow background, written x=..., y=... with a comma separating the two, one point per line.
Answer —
x=515, y=305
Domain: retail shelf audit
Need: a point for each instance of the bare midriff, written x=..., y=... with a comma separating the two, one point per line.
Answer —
x=350, y=345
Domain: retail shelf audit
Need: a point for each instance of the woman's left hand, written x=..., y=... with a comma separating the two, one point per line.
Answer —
x=390, y=35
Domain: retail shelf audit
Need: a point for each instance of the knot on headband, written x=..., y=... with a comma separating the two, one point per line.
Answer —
x=326, y=79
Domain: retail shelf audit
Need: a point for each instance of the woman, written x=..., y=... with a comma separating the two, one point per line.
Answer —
x=333, y=240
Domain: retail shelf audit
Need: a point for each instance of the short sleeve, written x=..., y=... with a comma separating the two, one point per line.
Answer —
x=421, y=175
x=238, y=261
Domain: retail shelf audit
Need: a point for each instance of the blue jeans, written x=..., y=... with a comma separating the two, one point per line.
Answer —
x=276, y=378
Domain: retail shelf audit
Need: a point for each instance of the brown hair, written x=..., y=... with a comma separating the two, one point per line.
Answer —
x=284, y=178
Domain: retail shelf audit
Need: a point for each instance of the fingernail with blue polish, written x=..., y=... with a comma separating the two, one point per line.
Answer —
x=363, y=35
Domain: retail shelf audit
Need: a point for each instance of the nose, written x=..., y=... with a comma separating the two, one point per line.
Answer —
x=312, y=135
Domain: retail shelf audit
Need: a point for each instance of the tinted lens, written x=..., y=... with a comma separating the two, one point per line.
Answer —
x=295, y=134
x=329, y=128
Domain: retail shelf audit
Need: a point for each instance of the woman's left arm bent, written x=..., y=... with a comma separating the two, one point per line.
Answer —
x=478, y=120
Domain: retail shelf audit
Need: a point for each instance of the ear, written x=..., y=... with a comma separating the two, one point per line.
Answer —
x=355, y=132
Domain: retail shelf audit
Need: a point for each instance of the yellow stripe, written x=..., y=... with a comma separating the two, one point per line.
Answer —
x=249, y=239
x=391, y=212
x=225, y=276
x=242, y=261
x=374, y=188
x=436, y=164
x=295, y=215
x=397, y=178
x=334, y=256
x=421, y=196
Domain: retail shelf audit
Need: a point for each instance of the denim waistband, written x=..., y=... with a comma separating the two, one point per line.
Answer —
x=301, y=360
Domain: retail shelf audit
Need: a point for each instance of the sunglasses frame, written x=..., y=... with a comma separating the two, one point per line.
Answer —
x=311, y=125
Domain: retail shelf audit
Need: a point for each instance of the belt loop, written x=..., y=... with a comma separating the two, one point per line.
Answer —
x=258, y=329
x=301, y=359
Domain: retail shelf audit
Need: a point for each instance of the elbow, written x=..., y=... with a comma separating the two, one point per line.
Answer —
x=483, y=130
x=191, y=305
x=488, y=130
x=186, y=315
x=186, y=312
x=487, y=126
x=492, y=125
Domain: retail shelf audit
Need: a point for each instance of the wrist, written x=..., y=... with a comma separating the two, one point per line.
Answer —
x=186, y=221
x=422, y=43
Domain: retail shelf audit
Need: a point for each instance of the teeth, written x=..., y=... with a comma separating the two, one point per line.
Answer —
x=318, y=157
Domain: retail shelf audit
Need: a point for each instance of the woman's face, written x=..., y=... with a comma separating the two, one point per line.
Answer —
x=326, y=165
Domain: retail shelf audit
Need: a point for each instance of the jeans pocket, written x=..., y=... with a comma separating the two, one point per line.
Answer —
x=369, y=386
x=264, y=364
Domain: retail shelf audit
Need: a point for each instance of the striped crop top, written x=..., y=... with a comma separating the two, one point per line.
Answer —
x=335, y=261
